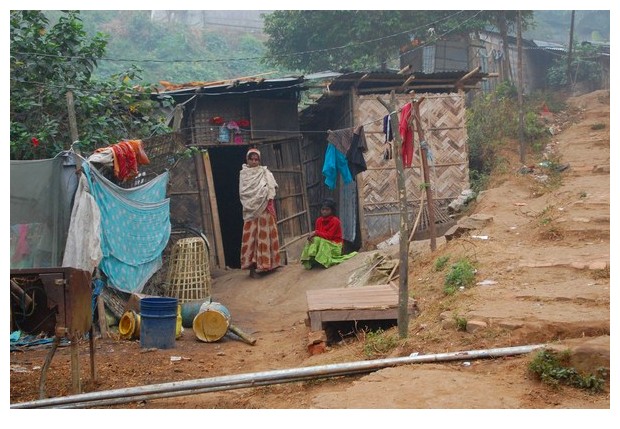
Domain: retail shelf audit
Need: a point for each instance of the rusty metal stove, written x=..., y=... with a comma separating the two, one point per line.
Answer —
x=56, y=301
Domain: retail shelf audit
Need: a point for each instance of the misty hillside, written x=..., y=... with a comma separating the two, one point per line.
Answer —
x=183, y=46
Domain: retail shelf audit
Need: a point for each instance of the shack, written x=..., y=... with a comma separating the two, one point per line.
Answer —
x=369, y=205
x=486, y=50
x=219, y=122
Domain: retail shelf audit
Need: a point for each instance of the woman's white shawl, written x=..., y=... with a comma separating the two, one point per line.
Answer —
x=256, y=187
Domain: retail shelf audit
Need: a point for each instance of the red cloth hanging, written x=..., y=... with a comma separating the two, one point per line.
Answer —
x=406, y=134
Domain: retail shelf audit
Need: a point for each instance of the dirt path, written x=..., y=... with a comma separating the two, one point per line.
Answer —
x=547, y=255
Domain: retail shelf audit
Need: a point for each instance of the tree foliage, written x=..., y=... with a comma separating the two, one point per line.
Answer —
x=367, y=39
x=584, y=67
x=174, y=51
x=46, y=62
x=335, y=39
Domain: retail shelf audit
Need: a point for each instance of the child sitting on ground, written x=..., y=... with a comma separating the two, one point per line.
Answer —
x=324, y=245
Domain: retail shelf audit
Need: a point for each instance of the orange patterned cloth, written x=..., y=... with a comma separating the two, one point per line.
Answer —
x=138, y=149
x=260, y=246
x=128, y=155
x=125, y=164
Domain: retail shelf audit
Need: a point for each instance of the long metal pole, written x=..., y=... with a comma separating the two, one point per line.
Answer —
x=230, y=382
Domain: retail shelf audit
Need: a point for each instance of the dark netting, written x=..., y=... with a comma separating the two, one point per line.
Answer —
x=41, y=200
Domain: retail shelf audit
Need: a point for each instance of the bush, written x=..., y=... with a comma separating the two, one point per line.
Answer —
x=440, y=263
x=379, y=343
x=461, y=274
x=493, y=120
x=551, y=368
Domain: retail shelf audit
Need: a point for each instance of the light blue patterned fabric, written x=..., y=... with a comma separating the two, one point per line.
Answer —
x=135, y=228
x=335, y=162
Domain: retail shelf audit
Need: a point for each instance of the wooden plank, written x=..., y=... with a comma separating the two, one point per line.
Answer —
x=370, y=297
x=377, y=302
x=351, y=315
x=304, y=191
x=217, y=233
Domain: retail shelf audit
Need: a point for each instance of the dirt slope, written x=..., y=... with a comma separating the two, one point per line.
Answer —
x=547, y=252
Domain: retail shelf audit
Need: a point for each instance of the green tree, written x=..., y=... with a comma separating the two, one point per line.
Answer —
x=584, y=67
x=46, y=62
x=318, y=40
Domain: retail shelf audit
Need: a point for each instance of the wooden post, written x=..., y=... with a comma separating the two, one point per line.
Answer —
x=520, y=89
x=304, y=189
x=359, y=179
x=570, y=49
x=403, y=284
x=427, y=181
x=103, y=324
x=217, y=233
x=75, y=365
x=91, y=344
x=72, y=119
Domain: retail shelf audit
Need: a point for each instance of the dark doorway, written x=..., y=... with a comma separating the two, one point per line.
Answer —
x=226, y=163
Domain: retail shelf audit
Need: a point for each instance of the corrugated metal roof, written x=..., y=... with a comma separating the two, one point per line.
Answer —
x=549, y=45
x=385, y=81
x=233, y=86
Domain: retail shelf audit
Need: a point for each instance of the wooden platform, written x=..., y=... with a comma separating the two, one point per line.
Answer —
x=379, y=302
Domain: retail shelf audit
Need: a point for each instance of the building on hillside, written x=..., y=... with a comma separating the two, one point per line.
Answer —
x=293, y=142
x=369, y=206
x=247, y=20
x=484, y=49
x=219, y=122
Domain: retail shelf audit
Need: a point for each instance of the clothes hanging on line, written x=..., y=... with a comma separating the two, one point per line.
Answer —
x=335, y=162
x=406, y=134
x=135, y=228
x=387, y=129
x=355, y=154
x=352, y=143
x=341, y=139
x=125, y=157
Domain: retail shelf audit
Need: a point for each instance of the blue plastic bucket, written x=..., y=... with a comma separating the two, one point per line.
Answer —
x=158, y=319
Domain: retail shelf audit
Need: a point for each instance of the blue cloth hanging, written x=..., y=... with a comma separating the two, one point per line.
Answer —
x=335, y=162
x=135, y=228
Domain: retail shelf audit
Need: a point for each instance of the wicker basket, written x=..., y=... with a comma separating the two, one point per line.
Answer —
x=189, y=277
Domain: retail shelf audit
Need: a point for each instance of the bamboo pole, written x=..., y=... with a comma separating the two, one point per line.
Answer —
x=427, y=181
x=403, y=287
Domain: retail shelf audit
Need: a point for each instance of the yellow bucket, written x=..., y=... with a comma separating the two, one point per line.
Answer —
x=212, y=322
x=129, y=325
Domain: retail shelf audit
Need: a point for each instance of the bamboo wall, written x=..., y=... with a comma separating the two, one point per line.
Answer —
x=443, y=122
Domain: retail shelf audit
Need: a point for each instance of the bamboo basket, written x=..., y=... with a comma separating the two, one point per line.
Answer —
x=189, y=276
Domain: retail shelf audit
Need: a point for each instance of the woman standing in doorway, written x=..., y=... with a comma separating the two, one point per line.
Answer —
x=260, y=247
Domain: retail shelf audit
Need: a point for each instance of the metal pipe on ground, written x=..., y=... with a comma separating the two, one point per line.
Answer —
x=230, y=382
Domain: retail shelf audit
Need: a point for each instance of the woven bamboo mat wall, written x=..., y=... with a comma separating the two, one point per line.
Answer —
x=443, y=122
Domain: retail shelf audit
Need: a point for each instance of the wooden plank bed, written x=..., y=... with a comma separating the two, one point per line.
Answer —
x=377, y=302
